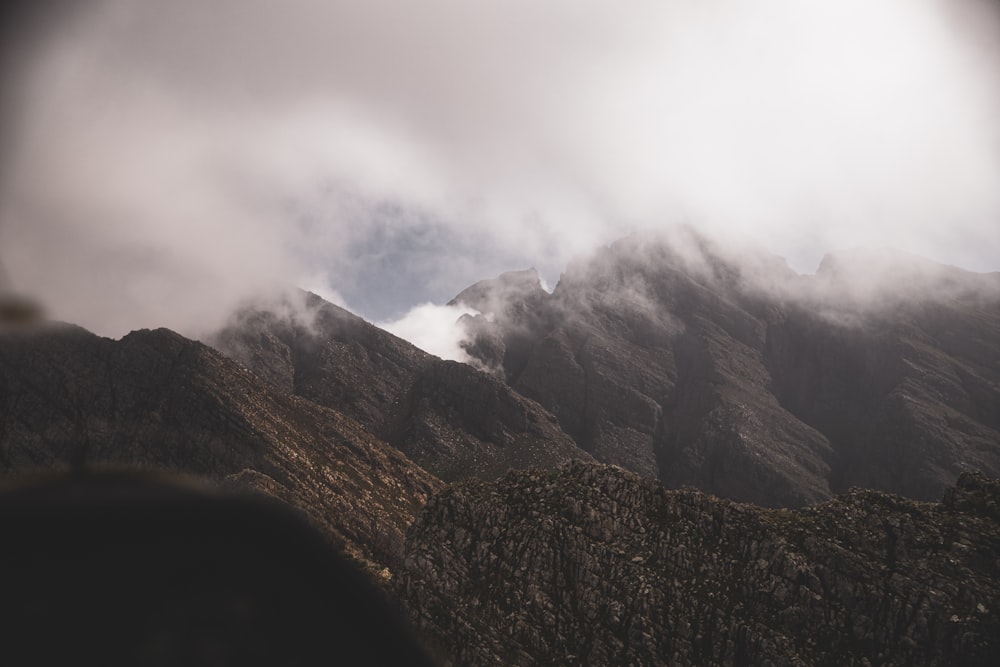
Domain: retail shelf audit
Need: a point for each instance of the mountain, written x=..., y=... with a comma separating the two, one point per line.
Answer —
x=530, y=507
x=156, y=400
x=592, y=565
x=453, y=420
x=681, y=359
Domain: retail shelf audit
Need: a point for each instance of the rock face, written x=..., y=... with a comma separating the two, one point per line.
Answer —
x=680, y=360
x=593, y=565
x=453, y=420
x=155, y=400
x=901, y=374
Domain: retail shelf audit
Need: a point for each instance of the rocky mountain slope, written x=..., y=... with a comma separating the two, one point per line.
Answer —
x=593, y=565
x=155, y=400
x=679, y=359
x=454, y=421
x=669, y=356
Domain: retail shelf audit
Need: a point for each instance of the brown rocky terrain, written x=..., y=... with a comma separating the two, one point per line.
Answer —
x=593, y=565
x=155, y=400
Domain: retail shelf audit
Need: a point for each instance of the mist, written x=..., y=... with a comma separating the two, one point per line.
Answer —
x=164, y=162
x=433, y=328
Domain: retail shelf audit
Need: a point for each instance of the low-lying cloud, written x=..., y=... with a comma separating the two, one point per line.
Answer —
x=165, y=161
x=433, y=328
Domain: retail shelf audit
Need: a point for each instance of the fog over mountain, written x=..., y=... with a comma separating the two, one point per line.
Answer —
x=162, y=162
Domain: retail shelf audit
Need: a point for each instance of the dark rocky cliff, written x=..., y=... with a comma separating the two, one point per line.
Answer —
x=676, y=358
x=593, y=565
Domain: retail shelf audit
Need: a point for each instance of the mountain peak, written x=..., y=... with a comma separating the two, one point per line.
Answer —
x=664, y=259
x=497, y=295
x=702, y=363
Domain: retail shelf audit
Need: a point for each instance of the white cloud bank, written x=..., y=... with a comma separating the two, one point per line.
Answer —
x=164, y=160
x=432, y=328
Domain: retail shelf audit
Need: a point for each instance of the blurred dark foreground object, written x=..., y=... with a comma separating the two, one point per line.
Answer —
x=138, y=569
x=18, y=311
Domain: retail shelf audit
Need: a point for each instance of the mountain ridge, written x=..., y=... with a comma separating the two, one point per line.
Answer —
x=733, y=373
x=448, y=417
x=156, y=400
x=571, y=495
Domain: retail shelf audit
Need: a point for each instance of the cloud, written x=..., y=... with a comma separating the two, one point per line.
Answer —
x=434, y=329
x=168, y=160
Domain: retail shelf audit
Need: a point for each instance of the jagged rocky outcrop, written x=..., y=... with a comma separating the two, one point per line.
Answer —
x=594, y=565
x=679, y=359
x=452, y=419
x=156, y=400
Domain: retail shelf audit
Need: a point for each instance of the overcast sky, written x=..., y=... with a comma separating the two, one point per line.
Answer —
x=164, y=160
